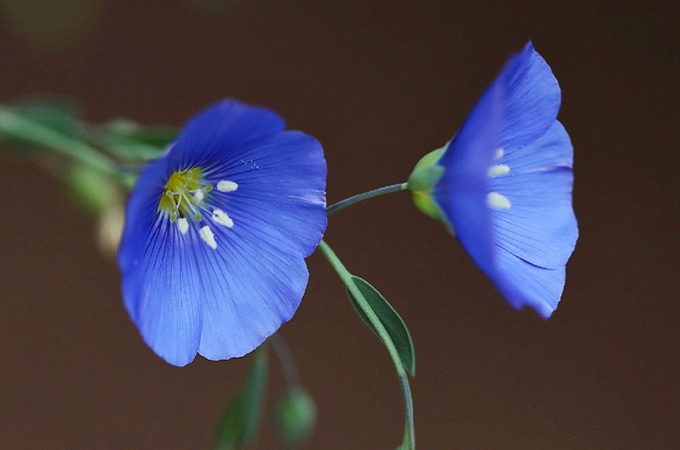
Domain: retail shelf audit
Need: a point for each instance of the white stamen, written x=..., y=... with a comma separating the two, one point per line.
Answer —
x=208, y=237
x=199, y=195
x=183, y=225
x=494, y=200
x=227, y=186
x=220, y=217
x=498, y=170
x=499, y=153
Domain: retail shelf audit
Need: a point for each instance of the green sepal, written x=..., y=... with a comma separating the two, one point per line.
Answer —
x=393, y=323
x=242, y=416
x=421, y=181
x=295, y=417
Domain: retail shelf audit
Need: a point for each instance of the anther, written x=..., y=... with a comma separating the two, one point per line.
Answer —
x=208, y=237
x=221, y=218
x=498, y=170
x=199, y=195
x=497, y=201
x=183, y=225
x=227, y=186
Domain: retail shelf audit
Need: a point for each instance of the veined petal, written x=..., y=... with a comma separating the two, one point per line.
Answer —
x=162, y=292
x=518, y=107
x=220, y=132
x=530, y=97
x=285, y=179
x=553, y=150
x=141, y=213
x=540, y=226
x=254, y=286
x=462, y=190
x=523, y=284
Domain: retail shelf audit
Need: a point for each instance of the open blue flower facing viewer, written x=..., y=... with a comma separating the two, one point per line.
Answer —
x=212, y=254
x=503, y=185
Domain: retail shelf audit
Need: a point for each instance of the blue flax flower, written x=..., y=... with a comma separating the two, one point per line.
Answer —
x=212, y=254
x=503, y=185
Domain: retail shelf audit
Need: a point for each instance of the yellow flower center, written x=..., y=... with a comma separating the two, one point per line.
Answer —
x=184, y=193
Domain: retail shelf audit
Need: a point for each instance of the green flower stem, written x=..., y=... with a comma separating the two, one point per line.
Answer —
x=286, y=358
x=346, y=277
x=254, y=394
x=18, y=127
x=365, y=196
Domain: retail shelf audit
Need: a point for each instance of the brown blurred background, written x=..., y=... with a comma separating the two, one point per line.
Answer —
x=379, y=83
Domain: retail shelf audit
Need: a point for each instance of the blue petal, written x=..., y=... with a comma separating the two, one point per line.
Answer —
x=253, y=284
x=217, y=132
x=523, y=284
x=163, y=299
x=281, y=188
x=279, y=217
x=142, y=212
x=160, y=288
x=519, y=107
x=540, y=227
x=530, y=96
x=462, y=190
x=552, y=151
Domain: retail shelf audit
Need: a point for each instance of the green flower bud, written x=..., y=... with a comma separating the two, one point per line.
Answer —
x=93, y=190
x=295, y=417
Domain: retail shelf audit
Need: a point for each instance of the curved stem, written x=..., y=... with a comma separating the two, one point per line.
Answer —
x=346, y=277
x=286, y=359
x=365, y=196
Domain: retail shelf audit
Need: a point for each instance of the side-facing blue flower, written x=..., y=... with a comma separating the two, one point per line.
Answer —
x=504, y=183
x=216, y=232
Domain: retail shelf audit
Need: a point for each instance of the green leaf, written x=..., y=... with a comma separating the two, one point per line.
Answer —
x=241, y=419
x=57, y=117
x=132, y=141
x=230, y=431
x=359, y=299
x=393, y=323
x=295, y=417
x=154, y=135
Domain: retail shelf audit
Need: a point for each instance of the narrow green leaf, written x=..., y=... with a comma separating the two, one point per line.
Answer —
x=132, y=141
x=241, y=419
x=254, y=394
x=377, y=325
x=230, y=431
x=38, y=115
x=154, y=135
x=393, y=323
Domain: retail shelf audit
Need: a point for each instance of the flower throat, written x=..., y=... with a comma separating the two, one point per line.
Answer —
x=184, y=192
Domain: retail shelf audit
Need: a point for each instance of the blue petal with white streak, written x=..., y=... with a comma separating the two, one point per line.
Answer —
x=507, y=185
x=223, y=267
